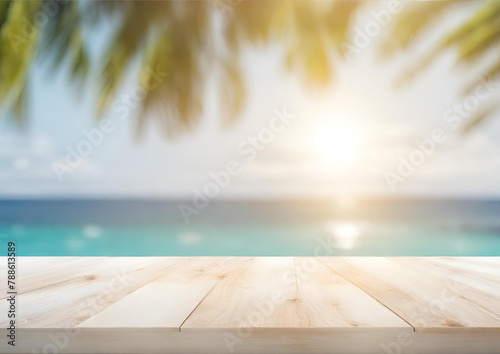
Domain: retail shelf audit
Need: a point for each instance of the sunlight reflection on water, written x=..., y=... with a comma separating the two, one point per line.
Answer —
x=344, y=235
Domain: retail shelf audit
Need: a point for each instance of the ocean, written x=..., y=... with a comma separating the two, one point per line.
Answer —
x=370, y=227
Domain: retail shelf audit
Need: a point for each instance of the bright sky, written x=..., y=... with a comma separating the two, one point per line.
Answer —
x=343, y=141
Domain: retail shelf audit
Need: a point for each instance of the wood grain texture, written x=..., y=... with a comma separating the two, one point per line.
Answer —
x=264, y=341
x=300, y=293
x=166, y=302
x=493, y=262
x=471, y=266
x=70, y=301
x=481, y=291
x=37, y=272
x=426, y=302
x=249, y=305
x=332, y=301
x=262, y=295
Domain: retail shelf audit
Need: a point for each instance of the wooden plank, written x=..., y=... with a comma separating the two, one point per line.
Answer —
x=28, y=261
x=264, y=295
x=262, y=340
x=166, y=302
x=459, y=271
x=422, y=301
x=483, y=292
x=271, y=294
x=34, y=273
x=264, y=305
x=493, y=262
x=332, y=301
x=65, y=304
x=485, y=270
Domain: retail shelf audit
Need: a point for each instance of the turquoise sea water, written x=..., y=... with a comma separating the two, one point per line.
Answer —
x=157, y=228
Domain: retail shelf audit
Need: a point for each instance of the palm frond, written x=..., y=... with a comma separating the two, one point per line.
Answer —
x=175, y=37
x=471, y=39
x=232, y=90
x=480, y=117
x=62, y=39
x=18, y=45
x=411, y=23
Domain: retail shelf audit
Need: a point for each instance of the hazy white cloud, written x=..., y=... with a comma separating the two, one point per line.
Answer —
x=42, y=145
x=22, y=163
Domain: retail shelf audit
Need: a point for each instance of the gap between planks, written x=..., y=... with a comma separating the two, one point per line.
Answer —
x=298, y=289
x=208, y=293
x=204, y=297
x=127, y=294
x=374, y=298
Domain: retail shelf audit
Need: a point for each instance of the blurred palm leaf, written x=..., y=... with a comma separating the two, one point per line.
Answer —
x=174, y=37
x=471, y=40
x=177, y=37
x=17, y=48
x=62, y=39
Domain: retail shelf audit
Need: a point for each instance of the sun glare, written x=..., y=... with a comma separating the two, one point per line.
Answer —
x=337, y=147
x=344, y=234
